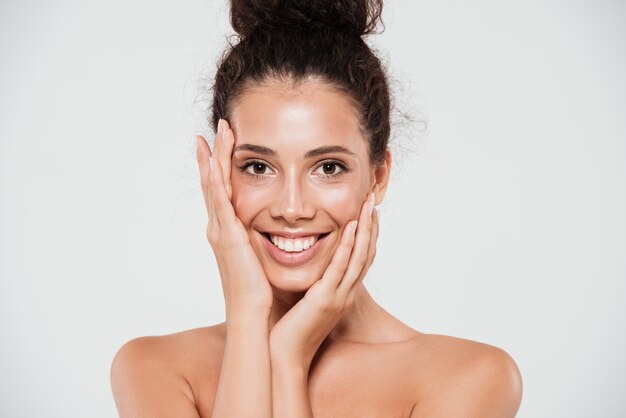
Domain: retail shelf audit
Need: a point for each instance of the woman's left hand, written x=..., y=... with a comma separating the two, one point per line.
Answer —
x=296, y=337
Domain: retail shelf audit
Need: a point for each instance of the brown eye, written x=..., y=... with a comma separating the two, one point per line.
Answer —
x=258, y=168
x=329, y=168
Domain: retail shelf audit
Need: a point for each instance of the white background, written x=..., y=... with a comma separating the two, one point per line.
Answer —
x=506, y=223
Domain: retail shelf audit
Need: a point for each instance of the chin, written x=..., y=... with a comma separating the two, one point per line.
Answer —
x=292, y=281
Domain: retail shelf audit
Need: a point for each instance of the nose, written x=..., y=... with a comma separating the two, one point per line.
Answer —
x=292, y=201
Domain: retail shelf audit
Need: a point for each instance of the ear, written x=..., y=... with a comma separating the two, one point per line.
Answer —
x=381, y=178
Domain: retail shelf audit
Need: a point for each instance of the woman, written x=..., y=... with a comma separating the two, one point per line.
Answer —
x=300, y=161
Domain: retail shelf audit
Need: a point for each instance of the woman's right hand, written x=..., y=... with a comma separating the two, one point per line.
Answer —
x=246, y=288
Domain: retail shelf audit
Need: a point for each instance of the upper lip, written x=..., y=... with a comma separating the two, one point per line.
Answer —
x=288, y=234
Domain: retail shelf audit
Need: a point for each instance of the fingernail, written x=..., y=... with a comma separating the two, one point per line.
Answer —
x=219, y=126
x=371, y=203
x=211, y=163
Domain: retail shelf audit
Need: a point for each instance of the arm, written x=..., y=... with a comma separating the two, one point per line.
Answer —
x=244, y=388
x=297, y=336
x=290, y=389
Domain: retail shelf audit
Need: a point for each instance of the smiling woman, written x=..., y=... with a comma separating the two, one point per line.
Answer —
x=300, y=161
x=301, y=187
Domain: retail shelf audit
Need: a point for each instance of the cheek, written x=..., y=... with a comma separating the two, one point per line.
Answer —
x=248, y=200
x=342, y=202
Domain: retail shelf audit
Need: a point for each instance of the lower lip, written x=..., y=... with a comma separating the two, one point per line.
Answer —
x=294, y=258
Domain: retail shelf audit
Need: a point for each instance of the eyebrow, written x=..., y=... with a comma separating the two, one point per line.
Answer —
x=331, y=149
x=260, y=149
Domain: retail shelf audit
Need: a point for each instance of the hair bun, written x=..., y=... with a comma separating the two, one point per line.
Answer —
x=359, y=17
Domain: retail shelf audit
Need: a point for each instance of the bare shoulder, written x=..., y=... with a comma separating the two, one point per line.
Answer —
x=160, y=373
x=460, y=377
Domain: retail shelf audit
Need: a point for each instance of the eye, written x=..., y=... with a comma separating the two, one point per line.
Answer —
x=256, y=168
x=330, y=168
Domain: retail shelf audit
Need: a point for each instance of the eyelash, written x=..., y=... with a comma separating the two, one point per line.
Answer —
x=246, y=165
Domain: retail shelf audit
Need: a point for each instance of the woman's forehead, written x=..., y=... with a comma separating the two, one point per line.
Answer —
x=312, y=93
x=303, y=116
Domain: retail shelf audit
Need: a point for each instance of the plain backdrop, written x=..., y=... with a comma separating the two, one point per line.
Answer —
x=505, y=221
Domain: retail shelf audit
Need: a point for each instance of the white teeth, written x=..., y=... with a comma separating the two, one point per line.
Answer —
x=293, y=245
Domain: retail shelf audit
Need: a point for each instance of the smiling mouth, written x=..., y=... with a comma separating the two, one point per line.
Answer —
x=293, y=245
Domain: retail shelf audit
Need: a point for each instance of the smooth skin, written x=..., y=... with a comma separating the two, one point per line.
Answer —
x=303, y=340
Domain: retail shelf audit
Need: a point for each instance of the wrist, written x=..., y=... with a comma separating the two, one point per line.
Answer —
x=248, y=319
x=291, y=365
x=247, y=311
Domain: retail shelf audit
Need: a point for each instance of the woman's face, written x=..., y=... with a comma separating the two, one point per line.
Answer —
x=300, y=173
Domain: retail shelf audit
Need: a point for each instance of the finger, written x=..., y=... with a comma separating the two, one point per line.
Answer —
x=221, y=203
x=358, y=258
x=203, y=153
x=217, y=144
x=371, y=252
x=226, y=154
x=337, y=267
x=204, y=157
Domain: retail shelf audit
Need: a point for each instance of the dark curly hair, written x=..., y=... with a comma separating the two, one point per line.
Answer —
x=296, y=40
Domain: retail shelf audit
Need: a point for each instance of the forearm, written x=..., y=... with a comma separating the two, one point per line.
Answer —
x=244, y=388
x=290, y=390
